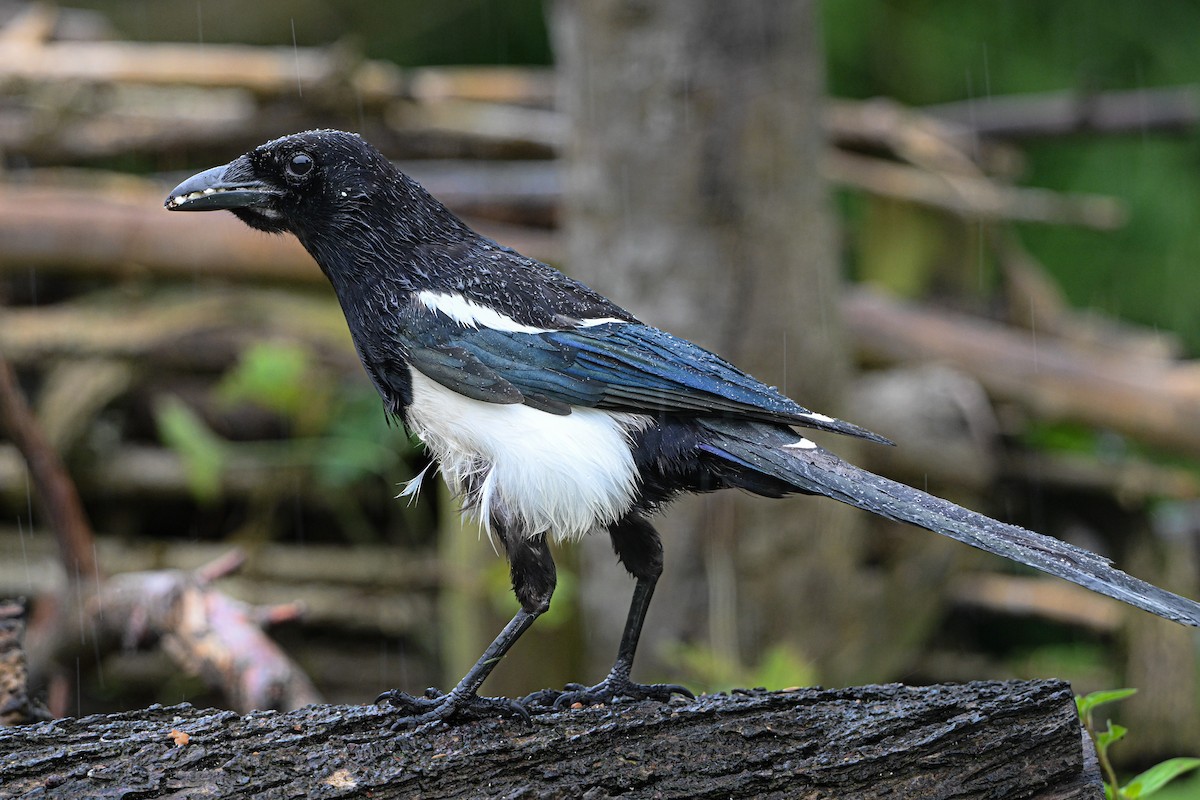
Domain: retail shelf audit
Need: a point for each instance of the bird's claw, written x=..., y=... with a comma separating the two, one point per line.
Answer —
x=437, y=706
x=608, y=691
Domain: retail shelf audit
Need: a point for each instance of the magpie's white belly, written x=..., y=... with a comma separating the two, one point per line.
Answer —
x=525, y=469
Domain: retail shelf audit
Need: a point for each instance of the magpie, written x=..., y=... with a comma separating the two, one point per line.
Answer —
x=551, y=411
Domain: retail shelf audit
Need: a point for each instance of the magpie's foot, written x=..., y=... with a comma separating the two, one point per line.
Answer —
x=437, y=706
x=542, y=701
x=609, y=690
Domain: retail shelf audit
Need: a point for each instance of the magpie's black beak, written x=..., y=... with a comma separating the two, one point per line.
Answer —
x=221, y=188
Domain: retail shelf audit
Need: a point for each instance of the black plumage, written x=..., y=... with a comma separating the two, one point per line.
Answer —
x=553, y=410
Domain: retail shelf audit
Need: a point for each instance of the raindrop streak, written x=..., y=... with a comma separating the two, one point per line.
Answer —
x=987, y=92
x=987, y=73
x=784, y=383
x=79, y=606
x=96, y=569
x=21, y=528
x=687, y=101
x=94, y=635
x=1033, y=336
x=25, y=555
x=296, y=51
x=384, y=662
x=298, y=510
x=975, y=149
x=981, y=257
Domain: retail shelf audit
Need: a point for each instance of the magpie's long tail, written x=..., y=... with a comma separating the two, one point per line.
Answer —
x=774, y=451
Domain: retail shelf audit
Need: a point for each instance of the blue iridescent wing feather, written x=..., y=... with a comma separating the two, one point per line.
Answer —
x=614, y=366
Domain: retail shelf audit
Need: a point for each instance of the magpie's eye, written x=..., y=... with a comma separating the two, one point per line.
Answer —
x=300, y=165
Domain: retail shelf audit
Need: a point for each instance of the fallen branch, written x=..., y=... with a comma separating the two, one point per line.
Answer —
x=980, y=740
x=204, y=631
x=1153, y=401
x=973, y=197
x=59, y=498
x=1043, y=597
x=914, y=137
x=1029, y=116
x=262, y=70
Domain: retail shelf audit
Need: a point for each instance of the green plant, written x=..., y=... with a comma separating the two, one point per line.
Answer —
x=1148, y=782
x=203, y=453
x=281, y=377
x=782, y=666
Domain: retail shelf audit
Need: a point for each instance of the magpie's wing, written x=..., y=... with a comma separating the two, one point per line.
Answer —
x=618, y=366
x=459, y=369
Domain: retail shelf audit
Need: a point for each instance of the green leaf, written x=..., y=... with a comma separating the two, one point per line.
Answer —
x=783, y=666
x=901, y=245
x=1159, y=776
x=1090, y=701
x=358, y=442
x=342, y=461
x=202, y=451
x=281, y=378
x=1115, y=733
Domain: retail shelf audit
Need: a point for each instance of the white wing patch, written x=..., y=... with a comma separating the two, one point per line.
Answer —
x=819, y=417
x=591, y=323
x=803, y=444
x=564, y=476
x=470, y=314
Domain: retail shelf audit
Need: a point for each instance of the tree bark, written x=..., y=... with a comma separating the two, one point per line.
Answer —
x=982, y=740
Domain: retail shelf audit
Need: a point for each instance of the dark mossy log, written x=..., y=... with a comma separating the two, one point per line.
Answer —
x=979, y=740
x=16, y=706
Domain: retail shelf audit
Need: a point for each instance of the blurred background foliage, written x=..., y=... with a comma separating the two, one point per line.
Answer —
x=927, y=52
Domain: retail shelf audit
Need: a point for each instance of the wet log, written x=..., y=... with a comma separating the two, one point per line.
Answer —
x=16, y=705
x=978, y=740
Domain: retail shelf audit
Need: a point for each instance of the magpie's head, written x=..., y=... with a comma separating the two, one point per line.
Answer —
x=303, y=183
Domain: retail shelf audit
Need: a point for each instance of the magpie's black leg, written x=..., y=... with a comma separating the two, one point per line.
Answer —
x=534, y=578
x=639, y=548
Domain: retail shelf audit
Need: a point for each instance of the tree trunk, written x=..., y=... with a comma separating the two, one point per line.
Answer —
x=983, y=740
x=692, y=196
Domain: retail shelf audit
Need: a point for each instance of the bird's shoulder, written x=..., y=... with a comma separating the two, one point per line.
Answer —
x=524, y=290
